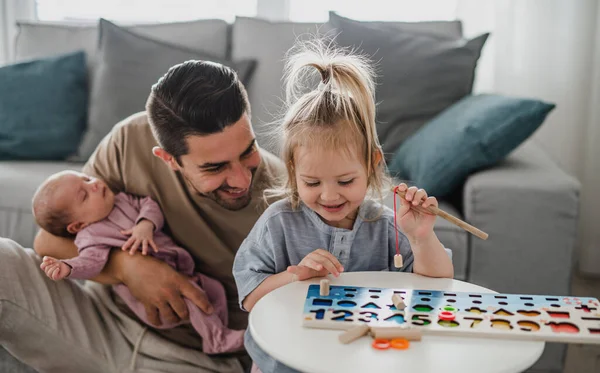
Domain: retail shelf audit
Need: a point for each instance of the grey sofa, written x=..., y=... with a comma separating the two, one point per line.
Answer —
x=527, y=204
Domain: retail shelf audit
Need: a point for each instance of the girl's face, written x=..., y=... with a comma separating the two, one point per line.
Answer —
x=332, y=183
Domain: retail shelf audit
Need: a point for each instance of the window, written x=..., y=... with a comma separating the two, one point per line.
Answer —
x=373, y=10
x=143, y=11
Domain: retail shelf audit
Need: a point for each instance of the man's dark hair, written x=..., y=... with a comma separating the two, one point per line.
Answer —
x=194, y=98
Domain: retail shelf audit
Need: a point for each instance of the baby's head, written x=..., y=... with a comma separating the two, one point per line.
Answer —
x=330, y=143
x=68, y=201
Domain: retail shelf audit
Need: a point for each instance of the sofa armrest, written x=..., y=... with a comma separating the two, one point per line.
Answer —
x=529, y=207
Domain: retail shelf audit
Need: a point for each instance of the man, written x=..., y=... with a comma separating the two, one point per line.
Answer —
x=194, y=152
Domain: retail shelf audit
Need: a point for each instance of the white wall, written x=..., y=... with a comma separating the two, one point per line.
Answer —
x=4, y=33
x=10, y=12
x=273, y=10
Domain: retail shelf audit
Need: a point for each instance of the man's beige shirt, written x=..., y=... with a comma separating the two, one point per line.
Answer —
x=211, y=234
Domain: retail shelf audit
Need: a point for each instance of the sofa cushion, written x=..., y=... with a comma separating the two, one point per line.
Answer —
x=448, y=29
x=128, y=65
x=419, y=74
x=268, y=42
x=43, y=107
x=451, y=236
x=475, y=133
x=18, y=182
x=42, y=39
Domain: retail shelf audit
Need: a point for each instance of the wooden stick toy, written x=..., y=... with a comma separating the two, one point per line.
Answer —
x=387, y=332
x=398, y=261
x=443, y=214
x=353, y=334
x=324, y=288
x=398, y=302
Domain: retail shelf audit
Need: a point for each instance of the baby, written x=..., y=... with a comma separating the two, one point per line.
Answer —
x=71, y=203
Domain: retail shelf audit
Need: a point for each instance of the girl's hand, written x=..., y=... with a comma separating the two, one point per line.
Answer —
x=321, y=262
x=54, y=268
x=141, y=234
x=416, y=225
x=302, y=273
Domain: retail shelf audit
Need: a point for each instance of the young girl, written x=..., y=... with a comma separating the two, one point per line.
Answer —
x=71, y=203
x=328, y=223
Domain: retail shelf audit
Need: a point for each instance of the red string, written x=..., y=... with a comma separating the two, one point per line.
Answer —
x=396, y=221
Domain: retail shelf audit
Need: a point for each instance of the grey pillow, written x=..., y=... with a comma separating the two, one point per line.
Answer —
x=268, y=42
x=419, y=73
x=38, y=39
x=448, y=29
x=128, y=65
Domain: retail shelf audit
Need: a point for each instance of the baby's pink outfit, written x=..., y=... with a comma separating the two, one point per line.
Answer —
x=95, y=241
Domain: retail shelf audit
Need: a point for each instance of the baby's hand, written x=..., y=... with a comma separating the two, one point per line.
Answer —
x=415, y=223
x=319, y=263
x=54, y=268
x=141, y=234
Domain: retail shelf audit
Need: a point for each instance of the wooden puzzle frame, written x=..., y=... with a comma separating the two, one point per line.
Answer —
x=492, y=315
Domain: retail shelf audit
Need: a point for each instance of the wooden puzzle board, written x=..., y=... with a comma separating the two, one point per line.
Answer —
x=511, y=316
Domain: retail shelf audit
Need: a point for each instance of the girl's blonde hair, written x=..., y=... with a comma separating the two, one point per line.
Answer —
x=338, y=114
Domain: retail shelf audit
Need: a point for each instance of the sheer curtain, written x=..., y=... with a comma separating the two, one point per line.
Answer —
x=542, y=49
x=550, y=49
x=590, y=208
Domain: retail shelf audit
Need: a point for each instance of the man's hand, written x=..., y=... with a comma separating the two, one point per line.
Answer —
x=154, y=283
x=159, y=287
x=141, y=234
x=46, y=244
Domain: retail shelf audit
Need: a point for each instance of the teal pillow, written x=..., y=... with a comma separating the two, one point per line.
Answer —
x=43, y=108
x=476, y=132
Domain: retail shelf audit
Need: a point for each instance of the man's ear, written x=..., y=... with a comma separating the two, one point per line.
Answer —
x=75, y=227
x=166, y=157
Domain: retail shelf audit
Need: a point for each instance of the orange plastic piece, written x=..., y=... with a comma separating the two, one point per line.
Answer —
x=381, y=344
x=399, y=344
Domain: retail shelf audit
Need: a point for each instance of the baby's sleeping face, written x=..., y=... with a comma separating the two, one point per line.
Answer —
x=86, y=199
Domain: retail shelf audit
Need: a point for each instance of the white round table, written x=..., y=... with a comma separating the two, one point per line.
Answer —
x=276, y=325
